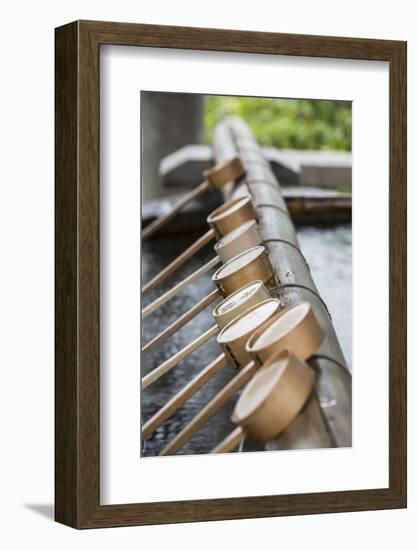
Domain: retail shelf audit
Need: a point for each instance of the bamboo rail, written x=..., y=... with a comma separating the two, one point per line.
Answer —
x=328, y=413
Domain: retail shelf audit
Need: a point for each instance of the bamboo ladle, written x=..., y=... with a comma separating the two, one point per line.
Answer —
x=232, y=244
x=271, y=400
x=295, y=327
x=233, y=337
x=222, y=220
x=216, y=177
x=238, y=302
x=247, y=267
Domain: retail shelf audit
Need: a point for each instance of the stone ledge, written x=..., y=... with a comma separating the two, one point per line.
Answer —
x=330, y=169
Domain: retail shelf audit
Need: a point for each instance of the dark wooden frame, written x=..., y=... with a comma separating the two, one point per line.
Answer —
x=77, y=373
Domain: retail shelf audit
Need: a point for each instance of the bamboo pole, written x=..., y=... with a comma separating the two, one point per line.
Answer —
x=173, y=361
x=231, y=441
x=181, y=321
x=182, y=396
x=232, y=136
x=210, y=409
x=156, y=304
x=153, y=227
x=230, y=170
x=179, y=261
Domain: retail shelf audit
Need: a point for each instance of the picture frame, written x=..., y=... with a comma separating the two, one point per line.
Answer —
x=77, y=260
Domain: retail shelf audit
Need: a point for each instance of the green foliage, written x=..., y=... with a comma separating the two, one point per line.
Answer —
x=287, y=123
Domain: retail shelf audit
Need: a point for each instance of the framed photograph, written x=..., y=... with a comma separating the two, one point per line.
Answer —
x=230, y=274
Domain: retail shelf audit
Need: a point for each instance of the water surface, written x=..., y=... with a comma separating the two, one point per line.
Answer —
x=328, y=252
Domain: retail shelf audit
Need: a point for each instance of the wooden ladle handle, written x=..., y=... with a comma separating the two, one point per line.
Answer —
x=179, y=261
x=162, y=220
x=231, y=441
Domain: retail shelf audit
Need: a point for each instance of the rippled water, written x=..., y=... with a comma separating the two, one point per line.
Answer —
x=329, y=255
x=328, y=252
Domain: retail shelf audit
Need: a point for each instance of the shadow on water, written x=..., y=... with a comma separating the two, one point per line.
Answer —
x=328, y=252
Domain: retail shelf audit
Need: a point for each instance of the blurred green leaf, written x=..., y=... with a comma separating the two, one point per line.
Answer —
x=287, y=123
